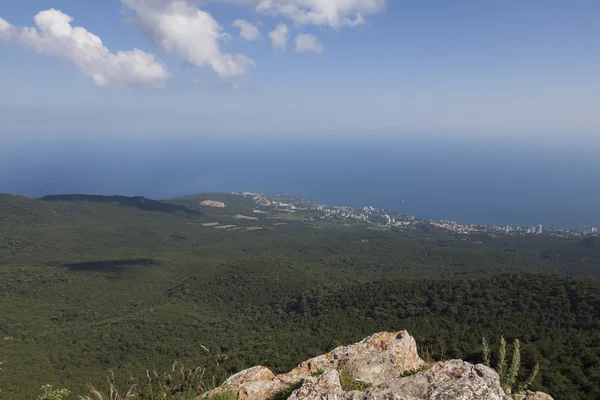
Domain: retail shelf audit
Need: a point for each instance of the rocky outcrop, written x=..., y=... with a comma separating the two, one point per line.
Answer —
x=451, y=380
x=528, y=395
x=382, y=360
x=323, y=387
x=253, y=383
x=375, y=359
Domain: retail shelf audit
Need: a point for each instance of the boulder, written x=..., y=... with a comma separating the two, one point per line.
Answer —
x=251, y=384
x=528, y=395
x=451, y=380
x=375, y=359
x=323, y=387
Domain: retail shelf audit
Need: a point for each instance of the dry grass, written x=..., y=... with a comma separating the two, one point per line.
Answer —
x=113, y=392
x=179, y=384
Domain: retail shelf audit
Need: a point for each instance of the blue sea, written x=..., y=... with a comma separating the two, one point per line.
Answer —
x=493, y=181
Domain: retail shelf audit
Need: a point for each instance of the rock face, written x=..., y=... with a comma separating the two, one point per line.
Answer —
x=451, y=380
x=381, y=360
x=325, y=386
x=375, y=359
x=528, y=395
x=253, y=383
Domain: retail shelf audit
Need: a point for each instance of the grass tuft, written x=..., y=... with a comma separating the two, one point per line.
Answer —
x=178, y=384
x=287, y=392
x=349, y=383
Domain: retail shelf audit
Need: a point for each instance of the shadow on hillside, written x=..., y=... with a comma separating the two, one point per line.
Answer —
x=138, y=202
x=110, y=265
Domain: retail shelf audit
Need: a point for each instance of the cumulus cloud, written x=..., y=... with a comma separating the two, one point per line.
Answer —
x=333, y=13
x=178, y=26
x=279, y=36
x=248, y=31
x=306, y=43
x=55, y=36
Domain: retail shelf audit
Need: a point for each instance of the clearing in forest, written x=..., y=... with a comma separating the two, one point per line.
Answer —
x=210, y=224
x=212, y=203
x=240, y=216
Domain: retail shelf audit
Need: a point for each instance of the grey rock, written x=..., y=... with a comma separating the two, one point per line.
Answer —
x=375, y=359
x=250, y=384
x=323, y=387
x=451, y=380
x=528, y=395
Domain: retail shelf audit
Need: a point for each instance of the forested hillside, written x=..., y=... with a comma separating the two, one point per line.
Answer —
x=93, y=285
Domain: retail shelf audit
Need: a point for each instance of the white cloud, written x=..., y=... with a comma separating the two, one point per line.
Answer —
x=55, y=36
x=333, y=13
x=279, y=36
x=307, y=43
x=178, y=26
x=248, y=31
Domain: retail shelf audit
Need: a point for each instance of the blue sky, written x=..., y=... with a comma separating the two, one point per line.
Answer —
x=493, y=68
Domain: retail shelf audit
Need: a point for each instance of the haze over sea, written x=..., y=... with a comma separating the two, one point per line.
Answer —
x=516, y=182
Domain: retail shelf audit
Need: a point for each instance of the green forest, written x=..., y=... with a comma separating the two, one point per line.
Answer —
x=93, y=284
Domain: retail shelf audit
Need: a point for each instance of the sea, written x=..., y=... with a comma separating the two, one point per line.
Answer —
x=500, y=181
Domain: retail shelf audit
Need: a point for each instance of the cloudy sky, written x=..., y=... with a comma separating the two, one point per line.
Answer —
x=299, y=66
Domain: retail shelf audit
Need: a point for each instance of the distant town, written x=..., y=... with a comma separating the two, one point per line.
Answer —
x=386, y=219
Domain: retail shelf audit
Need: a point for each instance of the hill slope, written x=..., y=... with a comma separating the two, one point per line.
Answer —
x=92, y=286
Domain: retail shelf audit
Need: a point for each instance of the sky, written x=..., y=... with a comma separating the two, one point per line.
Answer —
x=469, y=68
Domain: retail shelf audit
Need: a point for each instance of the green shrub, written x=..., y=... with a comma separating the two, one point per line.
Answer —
x=49, y=393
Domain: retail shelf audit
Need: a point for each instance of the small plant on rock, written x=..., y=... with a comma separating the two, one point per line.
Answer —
x=411, y=372
x=509, y=374
x=485, y=347
x=349, y=383
x=524, y=385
